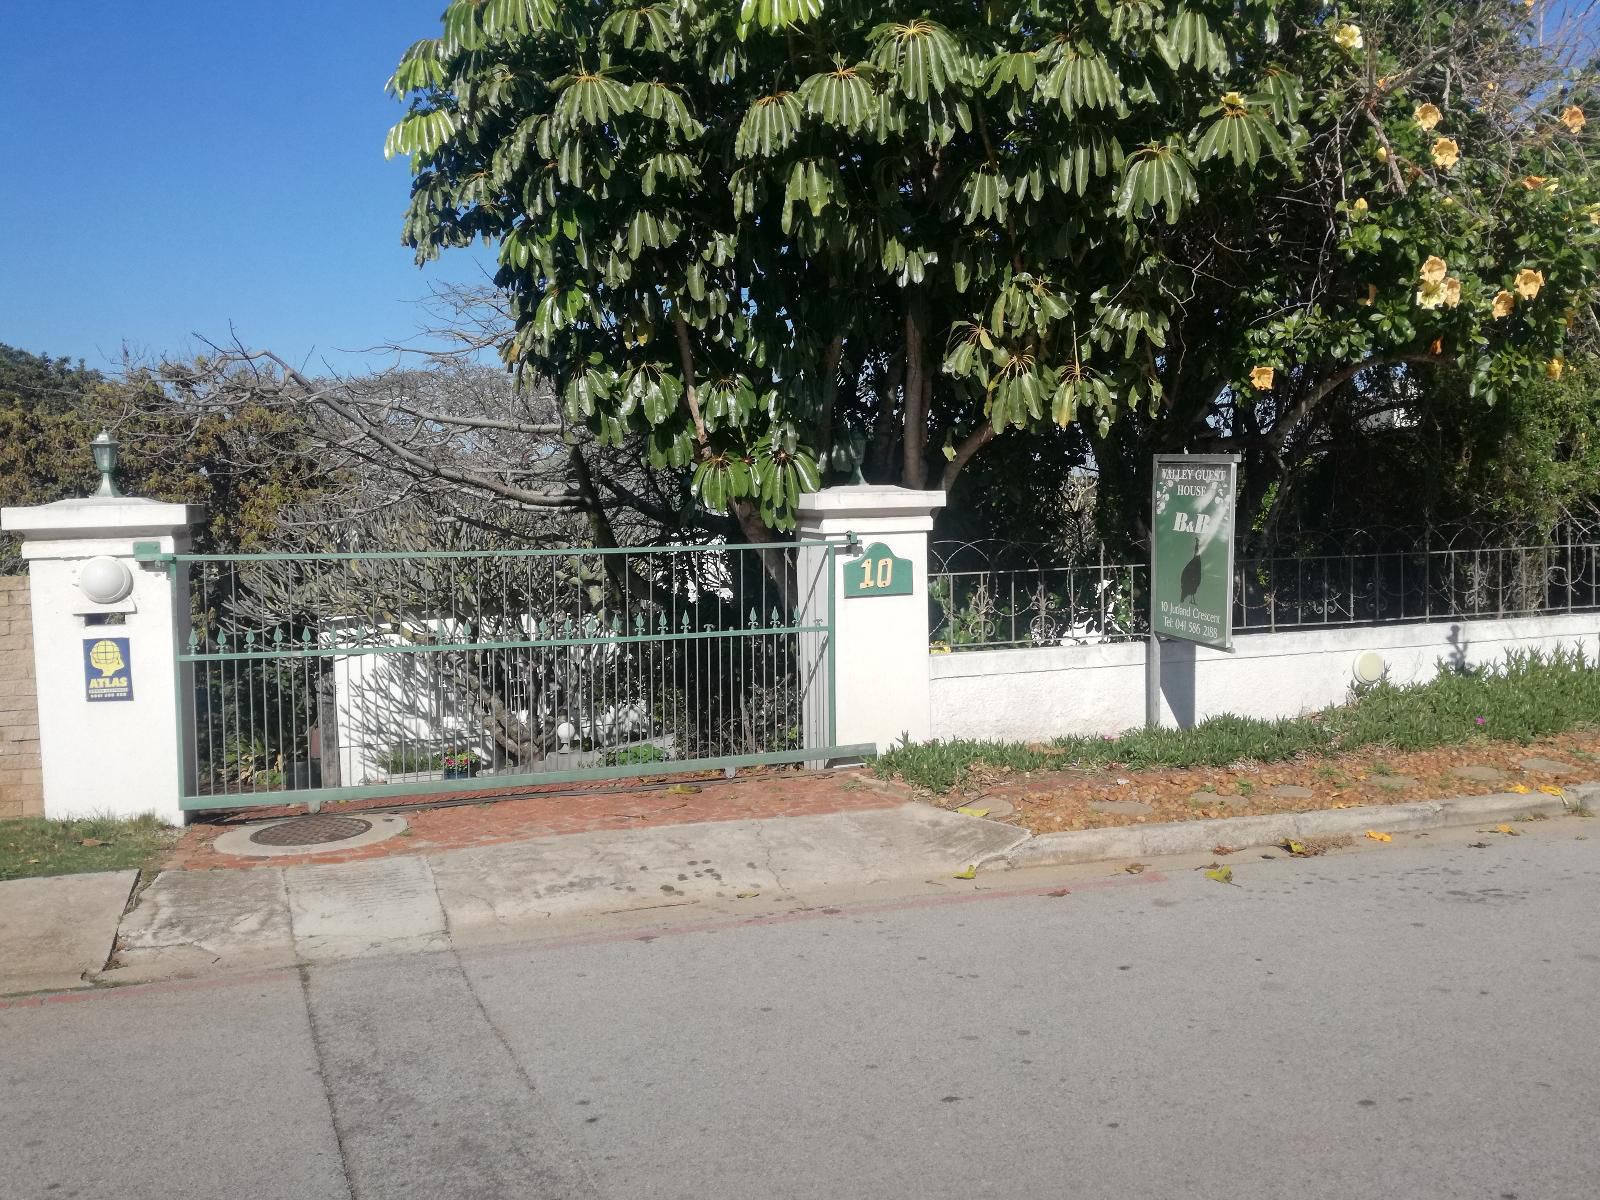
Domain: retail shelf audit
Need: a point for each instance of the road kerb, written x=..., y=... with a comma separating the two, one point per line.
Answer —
x=1196, y=837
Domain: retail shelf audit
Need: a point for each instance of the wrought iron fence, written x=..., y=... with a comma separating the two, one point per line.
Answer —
x=993, y=596
x=989, y=595
x=353, y=674
x=1421, y=585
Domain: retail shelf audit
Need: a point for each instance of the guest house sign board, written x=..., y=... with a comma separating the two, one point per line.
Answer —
x=1191, y=559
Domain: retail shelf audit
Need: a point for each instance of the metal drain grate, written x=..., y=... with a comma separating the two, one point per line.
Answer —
x=316, y=830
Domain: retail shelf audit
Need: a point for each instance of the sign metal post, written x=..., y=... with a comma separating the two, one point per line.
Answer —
x=1191, y=559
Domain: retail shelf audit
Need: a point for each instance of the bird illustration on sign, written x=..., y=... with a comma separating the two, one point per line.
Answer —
x=1193, y=572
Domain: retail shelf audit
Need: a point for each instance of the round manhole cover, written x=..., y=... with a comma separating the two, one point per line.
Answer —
x=316, y=830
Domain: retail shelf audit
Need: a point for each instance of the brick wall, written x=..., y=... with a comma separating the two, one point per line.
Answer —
x=21, y=790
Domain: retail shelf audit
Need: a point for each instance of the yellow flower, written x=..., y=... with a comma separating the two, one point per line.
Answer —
x=1504, y=302
x=1428, y=115
x=1430, y=295
x=1434, y=270
x=1553, y=369
x=1445, y=153
x=1261, y=378
x=1572, y=117
x=1529, y=282
x=1360, y=205
x=1452, y=292
x=1448, y=202
x=1533, y=182
x=1233, y=104
x=1348, y=37
x=1383, y=154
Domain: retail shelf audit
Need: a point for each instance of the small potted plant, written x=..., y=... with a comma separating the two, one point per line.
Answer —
x=460, y=763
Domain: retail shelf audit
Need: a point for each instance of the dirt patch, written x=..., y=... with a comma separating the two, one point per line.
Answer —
x=489, y=818
x=1097, y=798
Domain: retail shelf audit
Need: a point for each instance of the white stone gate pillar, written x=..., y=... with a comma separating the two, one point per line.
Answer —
x=880, y=608
x=106, y=628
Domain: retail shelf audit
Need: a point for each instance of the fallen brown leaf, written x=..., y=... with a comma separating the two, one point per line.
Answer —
x=1134, y=868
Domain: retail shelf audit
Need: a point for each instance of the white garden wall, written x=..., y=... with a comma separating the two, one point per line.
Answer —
x=1042, y=692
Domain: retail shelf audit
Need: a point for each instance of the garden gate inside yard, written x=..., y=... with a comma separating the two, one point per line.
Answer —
x=315, y=677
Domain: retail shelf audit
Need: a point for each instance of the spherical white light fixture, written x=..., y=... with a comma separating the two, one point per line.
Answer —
x=1370, y=667
x=105, y=580
x=565, y=732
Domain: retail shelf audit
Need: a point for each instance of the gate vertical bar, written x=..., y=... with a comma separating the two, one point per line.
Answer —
x=830, y=560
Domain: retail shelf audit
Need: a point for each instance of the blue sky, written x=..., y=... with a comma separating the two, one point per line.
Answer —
x=168, y=168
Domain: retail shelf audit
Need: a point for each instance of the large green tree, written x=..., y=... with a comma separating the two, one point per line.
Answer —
x=757, y=235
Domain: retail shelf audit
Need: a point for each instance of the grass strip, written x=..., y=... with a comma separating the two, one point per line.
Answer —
x=35, y=846
x=1524, y=697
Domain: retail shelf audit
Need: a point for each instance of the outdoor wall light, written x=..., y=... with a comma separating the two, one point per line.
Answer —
x=1370, y=667
x=105, y=460
x=105, y=580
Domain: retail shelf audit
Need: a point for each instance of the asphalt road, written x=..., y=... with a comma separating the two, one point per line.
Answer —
x=1415, y=1020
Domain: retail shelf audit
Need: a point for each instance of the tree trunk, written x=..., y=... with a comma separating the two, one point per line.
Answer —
x=327, y=701
x=829, y=387
x=918, y=389
x=880, y=454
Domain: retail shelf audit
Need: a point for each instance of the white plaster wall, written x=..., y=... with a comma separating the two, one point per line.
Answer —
x=120, y=758
x=881, y=642
x=1033, y=693
x=384, y=700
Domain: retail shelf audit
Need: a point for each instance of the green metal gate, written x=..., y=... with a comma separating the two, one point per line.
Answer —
x=315, y=677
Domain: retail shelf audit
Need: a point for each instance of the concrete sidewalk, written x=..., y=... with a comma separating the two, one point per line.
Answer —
x=199, y=922
x=195, y=922
x=56, y=931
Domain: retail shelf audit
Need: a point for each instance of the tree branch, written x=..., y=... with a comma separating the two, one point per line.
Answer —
x=969, y=446
x=536, y=430
x=564, y=499
x=1292, y=416
x=1388, y=151
x=691, y=394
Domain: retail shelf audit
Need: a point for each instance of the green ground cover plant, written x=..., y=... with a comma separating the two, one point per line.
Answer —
x=35, y=846
x=1527, y=696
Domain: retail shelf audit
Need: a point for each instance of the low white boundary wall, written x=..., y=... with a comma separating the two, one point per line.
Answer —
x=1043, y=692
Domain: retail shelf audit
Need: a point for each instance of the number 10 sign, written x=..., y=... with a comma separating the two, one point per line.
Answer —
x=877, y=573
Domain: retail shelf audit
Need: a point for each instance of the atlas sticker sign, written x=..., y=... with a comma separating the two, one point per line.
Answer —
x=1191, y=560
x=107, y=669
